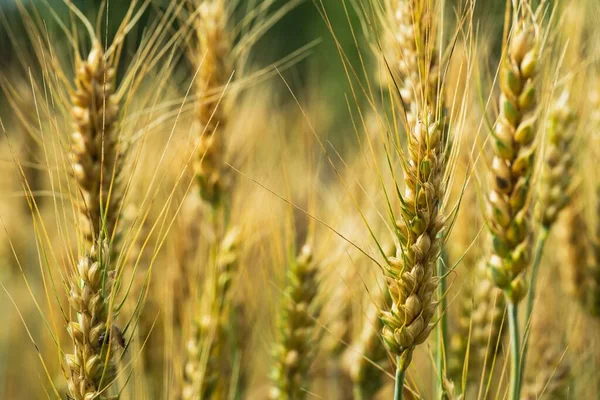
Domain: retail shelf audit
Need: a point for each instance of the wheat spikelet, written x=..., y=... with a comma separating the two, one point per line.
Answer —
x=214, y=70
x=92, y=367
x=369, y=349
x=296, y=345
x=513, y=162
x=557, y=175
x=208, y=363
x=480, y=325
x=94, y=145
x=410, y=274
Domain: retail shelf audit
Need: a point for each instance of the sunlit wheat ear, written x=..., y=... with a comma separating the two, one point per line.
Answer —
x=410, y=275
x=480, y=326
x=92, y=366
x=513, y=162
x=209, y=359
x=408, y=51
x=94, y=145
x=557, y=175
x=297, y=340
x=215, y=68
x=367, y=349
x=549, y=369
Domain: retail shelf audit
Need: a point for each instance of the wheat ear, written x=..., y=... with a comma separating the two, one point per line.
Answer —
x=296, y=346
x=208, y=363
x=558, y=161
x=410, y=274
x=513, y=162
x=213, y=58
x=94, y=145
x=94, y=154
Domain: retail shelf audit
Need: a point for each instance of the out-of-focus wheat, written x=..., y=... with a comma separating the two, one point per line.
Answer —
x=296, y=346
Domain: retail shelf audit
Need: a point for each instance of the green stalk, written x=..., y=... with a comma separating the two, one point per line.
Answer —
x=442, y=329
x=357, y=392
x=399, y=386
x=515, y=349
x=539, y=250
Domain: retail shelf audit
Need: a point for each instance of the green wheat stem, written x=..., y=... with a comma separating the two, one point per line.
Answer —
x=515, y=378
x=400, y=373
x=442, y=328
x=357, y=392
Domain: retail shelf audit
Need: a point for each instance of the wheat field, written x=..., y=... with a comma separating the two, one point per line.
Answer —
x=289, y=199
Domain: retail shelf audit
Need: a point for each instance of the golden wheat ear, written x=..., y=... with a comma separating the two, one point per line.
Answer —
x=513, y=162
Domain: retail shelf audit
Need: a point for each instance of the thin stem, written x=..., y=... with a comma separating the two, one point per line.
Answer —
x=442, y=328
x=399, y=387
x=539, y=250
x=515, y=349
x=357, y=391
